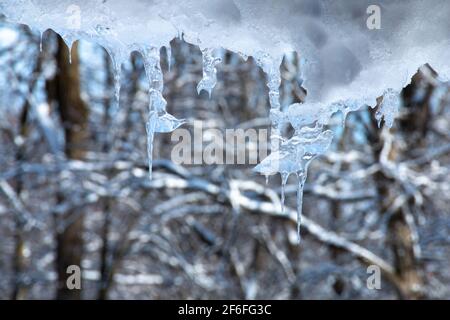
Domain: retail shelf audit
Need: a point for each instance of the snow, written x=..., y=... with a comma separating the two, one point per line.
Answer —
x=8, y=37
x=345, y=64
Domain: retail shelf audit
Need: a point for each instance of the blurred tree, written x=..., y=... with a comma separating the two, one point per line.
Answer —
x=64, y=90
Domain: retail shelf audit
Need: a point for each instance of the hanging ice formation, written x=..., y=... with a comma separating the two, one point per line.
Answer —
x=117, y=56
x=159, y=120
x=346, y=65
x=388, y=108
x=290, y=156
x=209, y=79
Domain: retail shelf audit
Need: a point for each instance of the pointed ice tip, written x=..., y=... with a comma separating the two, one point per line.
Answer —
x=201, y=88
x=40, y=42
x=115, y=109
x=299, y=237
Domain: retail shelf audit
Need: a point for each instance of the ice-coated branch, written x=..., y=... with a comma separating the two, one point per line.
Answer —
x=25, y=217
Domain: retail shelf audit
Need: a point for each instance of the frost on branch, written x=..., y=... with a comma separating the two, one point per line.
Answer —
x=346, y=65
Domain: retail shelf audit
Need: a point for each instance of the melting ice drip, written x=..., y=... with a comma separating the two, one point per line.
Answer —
x=388, y=108
x=294, y=156
x=117, y=57
x=159, y=120
x=290, y=156
x=310, y=139
x=209, y=79
x=271, y=67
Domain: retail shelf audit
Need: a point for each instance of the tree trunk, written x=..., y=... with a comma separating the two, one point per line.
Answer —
x=410, y=129
x=64, y=90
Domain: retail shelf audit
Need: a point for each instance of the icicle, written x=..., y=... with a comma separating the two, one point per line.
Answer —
x=150, y=128
x=301, y=183
x=40, y=41
x=294, y=156
x=161, y=123
x=157, y=103
x=118, y=54
x=116, y=60
x=153, y=70
x=158, y=119
x=267, y=179
x=271, y=164
x=209, y=79
x=69, y=41
x=70, y=53
x=284, y=178
x=388, y=108
x=271, y=68
x=117, y=70
x=169, y=56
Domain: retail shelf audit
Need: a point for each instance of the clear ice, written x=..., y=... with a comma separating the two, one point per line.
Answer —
x=209, y=79
x=159, y=120
x=388, y=108
x=291, y=156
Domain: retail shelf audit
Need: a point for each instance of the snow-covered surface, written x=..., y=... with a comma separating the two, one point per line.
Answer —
x=345, y=64
x=344, y=58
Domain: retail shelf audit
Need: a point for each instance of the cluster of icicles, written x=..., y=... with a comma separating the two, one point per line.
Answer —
x=288, y=155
